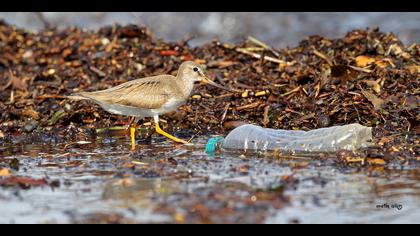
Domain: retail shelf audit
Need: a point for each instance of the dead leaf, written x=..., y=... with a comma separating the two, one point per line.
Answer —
x=413, y=69
x=381, y=63
x=22, y=181
x=395, y=149
x=66, y=52
x=350, y=159
x=376, y=161
x=363, y=61
x=30, y=113
x=383, y=141
x=305, y=117
x=412, y=102
x=168, y=53
x=396, y=50
x=18, y=83
x=374, y=85
x=377, y=102
x=233, y=124
x=4, y=172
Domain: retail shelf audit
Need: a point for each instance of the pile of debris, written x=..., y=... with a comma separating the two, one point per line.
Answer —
x=367, y=77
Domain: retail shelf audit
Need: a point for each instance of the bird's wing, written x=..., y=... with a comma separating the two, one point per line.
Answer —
x=148, y=93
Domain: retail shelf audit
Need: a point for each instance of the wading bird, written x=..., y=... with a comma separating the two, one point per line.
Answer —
x=150, y=96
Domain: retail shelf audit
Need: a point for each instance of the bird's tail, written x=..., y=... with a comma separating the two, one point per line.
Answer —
x=78, y=96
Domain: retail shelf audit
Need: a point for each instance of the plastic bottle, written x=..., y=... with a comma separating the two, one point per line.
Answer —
x=252, y=137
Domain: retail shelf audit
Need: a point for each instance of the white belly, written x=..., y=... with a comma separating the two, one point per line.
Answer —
x=171, y=105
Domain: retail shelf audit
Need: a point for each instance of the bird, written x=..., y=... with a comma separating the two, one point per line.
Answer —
x=150, y=96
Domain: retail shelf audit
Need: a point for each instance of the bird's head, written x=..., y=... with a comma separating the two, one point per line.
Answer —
x=192, y=71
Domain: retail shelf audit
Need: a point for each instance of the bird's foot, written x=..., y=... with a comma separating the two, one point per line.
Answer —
x=178, y=140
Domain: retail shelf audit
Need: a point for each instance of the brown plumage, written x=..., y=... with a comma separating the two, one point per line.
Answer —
x=150, y=96
x=149, y=93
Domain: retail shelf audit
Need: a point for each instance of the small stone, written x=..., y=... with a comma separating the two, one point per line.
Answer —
x=324, y=121
x=105, y=41
x=245, y=94
x=27, y=54
x=30, y=126
x=51, y=71
x=67, y=107
x=139, y=67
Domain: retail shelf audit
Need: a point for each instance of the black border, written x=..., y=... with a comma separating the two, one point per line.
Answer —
x=211, y=5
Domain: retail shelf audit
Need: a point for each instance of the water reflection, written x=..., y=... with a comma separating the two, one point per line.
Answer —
x=163, y=182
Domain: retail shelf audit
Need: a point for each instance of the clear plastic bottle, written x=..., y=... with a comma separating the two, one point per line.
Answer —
x=252, y=137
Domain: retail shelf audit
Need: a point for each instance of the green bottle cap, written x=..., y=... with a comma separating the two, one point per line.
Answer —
x=211, y=144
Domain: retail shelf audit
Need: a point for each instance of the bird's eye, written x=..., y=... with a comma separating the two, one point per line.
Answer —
x=195, y=69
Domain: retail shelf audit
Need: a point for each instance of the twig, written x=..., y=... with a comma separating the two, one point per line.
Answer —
x=12, y=96
x=358, y=114
x=254, y=49
x=192, y=137
x=360, y=69
x=258, y=56
x=290, y=92
x=266, y=119
x=224, y=95
x=258, y=42
x=225, y=112
x=249, y=106
x=140, y=163
x=97, y=71
x=321, y=55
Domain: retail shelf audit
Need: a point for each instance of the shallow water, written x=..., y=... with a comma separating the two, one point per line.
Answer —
x=163, y=182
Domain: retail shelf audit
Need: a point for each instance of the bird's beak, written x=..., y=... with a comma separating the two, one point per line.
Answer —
x=206, y=80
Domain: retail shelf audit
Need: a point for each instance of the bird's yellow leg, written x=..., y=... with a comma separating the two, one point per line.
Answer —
x=160, y=131
x=133, y=137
